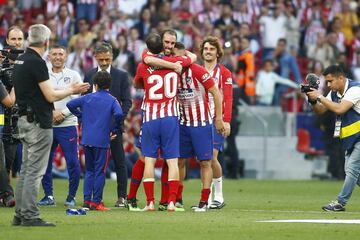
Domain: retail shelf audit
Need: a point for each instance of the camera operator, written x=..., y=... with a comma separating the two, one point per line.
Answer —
x=344, y=101
x=6, y=191
x=14, y=41
x=35, y=97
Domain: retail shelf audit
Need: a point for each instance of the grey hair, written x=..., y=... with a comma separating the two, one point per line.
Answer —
x=38, y=35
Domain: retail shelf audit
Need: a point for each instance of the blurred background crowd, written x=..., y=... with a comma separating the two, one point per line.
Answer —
x=270, y=45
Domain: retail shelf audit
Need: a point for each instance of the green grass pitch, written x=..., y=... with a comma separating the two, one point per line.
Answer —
x=248, y=201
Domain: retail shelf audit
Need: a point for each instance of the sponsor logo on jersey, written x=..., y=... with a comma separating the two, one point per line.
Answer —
x=228, y=81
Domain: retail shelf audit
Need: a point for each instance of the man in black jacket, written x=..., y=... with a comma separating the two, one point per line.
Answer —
x=120, y=88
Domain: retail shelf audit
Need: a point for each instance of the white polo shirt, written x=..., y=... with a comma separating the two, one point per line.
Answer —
x=60, y=81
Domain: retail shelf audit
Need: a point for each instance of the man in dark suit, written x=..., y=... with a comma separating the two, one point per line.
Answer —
x=120, y=88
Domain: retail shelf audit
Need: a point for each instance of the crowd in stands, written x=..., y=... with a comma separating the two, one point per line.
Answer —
x=285, y=37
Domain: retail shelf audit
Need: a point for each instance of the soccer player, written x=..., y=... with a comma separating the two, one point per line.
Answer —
x=196, y=128
x=168, y=38
x=160, y=109
x=211, y=52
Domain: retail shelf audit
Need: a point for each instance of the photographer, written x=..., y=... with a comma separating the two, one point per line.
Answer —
x=344, y=101
x=35, y=95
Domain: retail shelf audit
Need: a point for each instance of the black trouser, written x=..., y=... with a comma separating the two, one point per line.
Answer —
x=231, y=150
x=117, y=152
x=4, y=178
x=10, y=155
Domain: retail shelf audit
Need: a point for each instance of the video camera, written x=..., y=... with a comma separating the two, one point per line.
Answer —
x=10, y=54
x=10, y=133
x=311, y=81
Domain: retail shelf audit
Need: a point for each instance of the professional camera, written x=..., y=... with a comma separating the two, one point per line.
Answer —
x=10, y=133
x=9, y=54
x=311, y=81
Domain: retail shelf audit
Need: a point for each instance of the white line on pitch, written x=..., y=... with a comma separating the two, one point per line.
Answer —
x=327, y=221
x=293, y=211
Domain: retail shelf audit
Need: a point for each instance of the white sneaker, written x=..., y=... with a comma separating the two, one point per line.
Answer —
x=149, y=208
x=216, y=205
x=172, y=208
x=202, y=207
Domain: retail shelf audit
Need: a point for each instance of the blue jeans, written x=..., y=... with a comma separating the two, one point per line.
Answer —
x=86, y=10
x=352, y=171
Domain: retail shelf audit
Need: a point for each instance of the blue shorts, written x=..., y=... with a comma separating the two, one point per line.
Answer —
x=161, y=134
x=196, y=141
x=218, y=140
x=137, y=140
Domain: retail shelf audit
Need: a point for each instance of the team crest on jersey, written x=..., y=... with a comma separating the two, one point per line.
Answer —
x=67, y=79
x=188, y=80
x=205, y=76
x=228, y=81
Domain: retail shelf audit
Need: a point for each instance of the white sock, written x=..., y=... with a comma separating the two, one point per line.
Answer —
x=218, y=194
x=211, y=194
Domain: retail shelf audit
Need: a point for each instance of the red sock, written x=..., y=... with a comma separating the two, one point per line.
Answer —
x=164, y=183
x=180, y=191
x=205, y=195
x=173, y=190
x=136, y=176
x=149, y=191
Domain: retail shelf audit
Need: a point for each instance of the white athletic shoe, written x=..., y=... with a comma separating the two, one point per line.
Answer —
x=149, y=208
x=202, y=207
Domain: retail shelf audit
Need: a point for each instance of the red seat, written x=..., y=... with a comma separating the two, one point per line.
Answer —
x=304, y=143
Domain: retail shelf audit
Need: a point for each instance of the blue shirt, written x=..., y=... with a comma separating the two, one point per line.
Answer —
x=100, y=114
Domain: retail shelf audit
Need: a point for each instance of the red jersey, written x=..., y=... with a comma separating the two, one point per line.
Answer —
x=160, y=85
x=223, y=79
x=193, y=96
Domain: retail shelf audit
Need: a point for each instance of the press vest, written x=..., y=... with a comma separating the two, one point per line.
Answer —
x=2, y=120
x=350, y=122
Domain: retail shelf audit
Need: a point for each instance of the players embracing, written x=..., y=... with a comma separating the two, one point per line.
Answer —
x=198, y=111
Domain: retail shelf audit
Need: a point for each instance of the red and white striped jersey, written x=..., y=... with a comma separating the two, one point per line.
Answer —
x=223, y=79
x=160, y=87
x=193, y=96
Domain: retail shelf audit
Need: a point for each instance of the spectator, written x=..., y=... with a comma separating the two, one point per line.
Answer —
x=52, y=7
x=65, y=25
x=226, y=22
x=349, y=21
x=163, y=14
x=321, y=51
x=292, y=27
x=245, y=31
x=286, y=65
x=272, y=28
x=86, y=9
x=266, y=82
x=135, y=45
x=336, y=27
x=124, y=59
x=144, y=24
x=81, y=59
x=209, y=13
x=84, y=33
